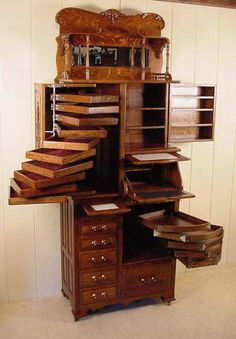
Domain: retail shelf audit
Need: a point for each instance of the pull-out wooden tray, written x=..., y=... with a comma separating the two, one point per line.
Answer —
x=197, y=236
x=59, y=156
x=155, y=158
x=16, y=199
x=193, y=241
x=87, y=98
x=81, y=121
x=111, y=207
x=37, y=181
x=82, y=144
x=196, y=262
x=26, y=191
x=178, y=222
x=64, y=131
x=83, y=109
x=55, y=171
x=156, y=192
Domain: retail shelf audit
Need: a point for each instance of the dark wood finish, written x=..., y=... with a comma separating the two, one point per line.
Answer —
x=97, y=278
x=97, y=242
x=149, y=278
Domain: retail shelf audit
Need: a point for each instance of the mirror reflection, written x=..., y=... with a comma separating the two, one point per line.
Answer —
x=109, y=56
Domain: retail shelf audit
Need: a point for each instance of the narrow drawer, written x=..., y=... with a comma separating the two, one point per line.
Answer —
x=97, y=242
x=98, y=228
x=98, y=295
x=98, y=259
x=147, y=279
x=97, y=278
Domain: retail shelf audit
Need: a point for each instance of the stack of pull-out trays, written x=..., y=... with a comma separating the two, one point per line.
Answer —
x=62, y=162
x=193, y=241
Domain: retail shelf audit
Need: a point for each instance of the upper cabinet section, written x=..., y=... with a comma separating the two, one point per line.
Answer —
x=191, y=113
x=110, y=46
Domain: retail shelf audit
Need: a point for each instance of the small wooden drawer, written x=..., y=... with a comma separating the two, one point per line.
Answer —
x=98, y=259
x=97, y=242
x=97, y=278
x=147, y=279
x=98, y=295
x=99, y=228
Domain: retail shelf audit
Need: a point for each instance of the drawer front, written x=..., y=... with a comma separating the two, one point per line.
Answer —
x=97, y=242
x=97, y=278
x=101, y=295
x=147, y=279
x=98, y=228
x=98, y=259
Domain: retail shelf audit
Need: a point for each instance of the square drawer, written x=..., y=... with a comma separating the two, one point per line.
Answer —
x=144, y=279
x=97, y=242
x=97, y=259
x=97, y=278
x=101, y=295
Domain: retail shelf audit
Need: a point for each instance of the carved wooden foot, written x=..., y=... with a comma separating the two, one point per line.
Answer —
x=64, y=295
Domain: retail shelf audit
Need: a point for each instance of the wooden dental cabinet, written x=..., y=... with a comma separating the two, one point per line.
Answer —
x=106, y=134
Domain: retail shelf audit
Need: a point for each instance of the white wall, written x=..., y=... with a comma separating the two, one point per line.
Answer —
x=203, y=51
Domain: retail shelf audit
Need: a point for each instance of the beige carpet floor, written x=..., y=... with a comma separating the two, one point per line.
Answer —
x=205, y=308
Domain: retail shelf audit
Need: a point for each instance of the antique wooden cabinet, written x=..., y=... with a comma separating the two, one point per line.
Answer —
x=103, y=133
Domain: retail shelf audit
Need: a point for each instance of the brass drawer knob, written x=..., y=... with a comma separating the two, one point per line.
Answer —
x=94, y=296
x=104, y=227
x=143, y=280
x=94, y=243
x=103, y=294
x=94, y=228
x=103, y=258
x=94, y=278
x=103, y=277
x=154, y=279
x=104, y=242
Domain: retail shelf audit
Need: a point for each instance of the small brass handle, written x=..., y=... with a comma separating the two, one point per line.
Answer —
x=104, y=227
x=94, y=228
x=94, y=296
x=94, y=243
x=94, y=278
x=103, y=294
x=154, y=279
x=103, y=258
x=103, y=276
x=143, y=280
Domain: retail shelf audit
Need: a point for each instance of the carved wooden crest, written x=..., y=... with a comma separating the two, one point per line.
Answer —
x=88, y=41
